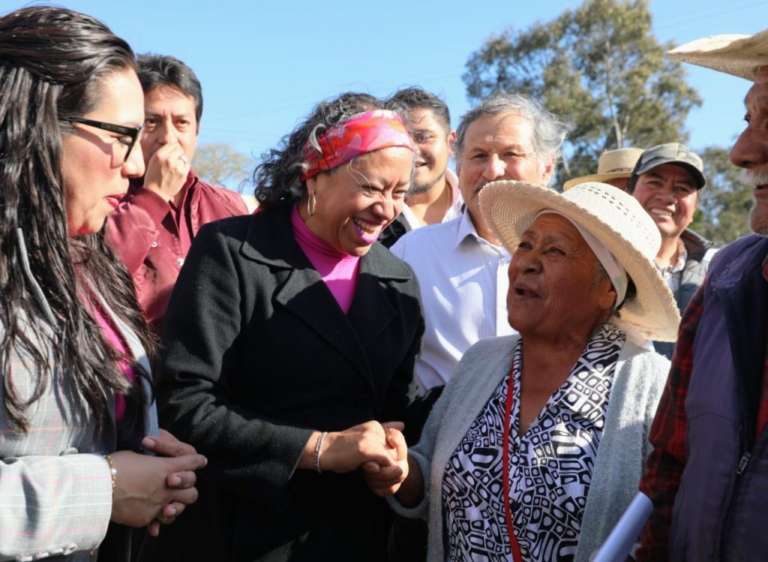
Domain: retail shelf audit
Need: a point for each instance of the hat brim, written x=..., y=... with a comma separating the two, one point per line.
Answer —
x=510, y=208
x=698, y=175
x=738, y=55
x=596, y=177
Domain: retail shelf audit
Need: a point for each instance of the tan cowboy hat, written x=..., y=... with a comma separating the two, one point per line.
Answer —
x=739, y=55
x=613, y=217
x=612, y=164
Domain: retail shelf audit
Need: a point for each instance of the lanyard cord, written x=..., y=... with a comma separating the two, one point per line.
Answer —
x=516, y=554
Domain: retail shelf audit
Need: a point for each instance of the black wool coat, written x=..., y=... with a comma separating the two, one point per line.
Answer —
x=258, y=354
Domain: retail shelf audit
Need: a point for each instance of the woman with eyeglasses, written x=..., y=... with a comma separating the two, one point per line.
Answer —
x=290, y=343
x=76, y=406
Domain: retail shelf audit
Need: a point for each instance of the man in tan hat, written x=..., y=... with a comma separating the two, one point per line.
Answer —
x=614, y=167
x=666, y=181
x=708, y=473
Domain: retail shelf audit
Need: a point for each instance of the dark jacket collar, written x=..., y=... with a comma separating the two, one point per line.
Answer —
x=303, y=293
x=695, y=244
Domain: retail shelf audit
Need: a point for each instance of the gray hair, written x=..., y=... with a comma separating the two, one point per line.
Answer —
x=548, y=130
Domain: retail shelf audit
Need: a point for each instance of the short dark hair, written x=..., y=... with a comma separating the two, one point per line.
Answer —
x=418, y=98
x=165, y=70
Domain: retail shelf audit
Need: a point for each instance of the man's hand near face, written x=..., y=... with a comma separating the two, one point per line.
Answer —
x=167, y=171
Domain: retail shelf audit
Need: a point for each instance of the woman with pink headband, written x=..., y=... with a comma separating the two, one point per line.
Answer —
x=291, y=340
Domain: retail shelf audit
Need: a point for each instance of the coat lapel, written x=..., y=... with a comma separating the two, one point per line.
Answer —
x=307, y=297
x=371, y=311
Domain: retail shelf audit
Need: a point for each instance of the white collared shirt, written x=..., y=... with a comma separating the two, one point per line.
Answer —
x=464, y=283
x=454, y=211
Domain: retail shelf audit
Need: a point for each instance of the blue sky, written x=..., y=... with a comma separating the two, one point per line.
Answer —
x=263, y=65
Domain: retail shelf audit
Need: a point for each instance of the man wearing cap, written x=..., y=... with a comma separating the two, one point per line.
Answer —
x=153, y=227
x=434, y=196
x=708, y=473
x=461, y=265
x=666, y=181
x=614, y=167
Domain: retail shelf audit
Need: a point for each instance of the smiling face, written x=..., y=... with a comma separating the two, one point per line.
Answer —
x=433, y=141
x=751, y=151
x=498, y=147
x=668, y=193
x=169, y=117
x=93, y=166
x=356, y=201
x=555, y=290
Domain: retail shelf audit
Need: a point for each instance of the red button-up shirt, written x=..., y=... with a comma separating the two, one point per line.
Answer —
x=153, y=236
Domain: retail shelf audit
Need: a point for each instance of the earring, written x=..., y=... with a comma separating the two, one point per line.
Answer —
x=311, y=204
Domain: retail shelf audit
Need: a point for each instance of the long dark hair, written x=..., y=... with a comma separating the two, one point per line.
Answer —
x=52, y=64
x=278, y=176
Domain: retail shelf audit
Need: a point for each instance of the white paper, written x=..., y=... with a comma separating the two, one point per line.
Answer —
x=619, y=543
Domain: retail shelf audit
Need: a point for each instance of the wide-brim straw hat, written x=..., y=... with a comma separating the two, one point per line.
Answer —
x=611, y=165
x=739, y=55
x=613, y=217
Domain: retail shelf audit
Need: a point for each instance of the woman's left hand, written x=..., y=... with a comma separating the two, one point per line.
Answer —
x=385, y=481
x=166, y=445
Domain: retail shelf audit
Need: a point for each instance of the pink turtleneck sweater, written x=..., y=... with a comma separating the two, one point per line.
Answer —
x=338, y=270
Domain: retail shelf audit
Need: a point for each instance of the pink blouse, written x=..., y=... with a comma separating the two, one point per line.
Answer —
x=119, y=344
x=338, y=270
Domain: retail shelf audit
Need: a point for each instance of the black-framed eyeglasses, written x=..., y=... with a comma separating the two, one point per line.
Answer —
x=132, y=132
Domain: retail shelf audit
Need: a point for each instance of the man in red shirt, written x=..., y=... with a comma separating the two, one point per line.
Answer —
x=153, y=227
x=708, y=473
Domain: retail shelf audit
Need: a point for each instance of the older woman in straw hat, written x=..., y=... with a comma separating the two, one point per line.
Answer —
x=537, y=444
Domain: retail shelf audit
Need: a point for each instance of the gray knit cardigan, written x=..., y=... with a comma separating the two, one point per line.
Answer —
x=638, y=382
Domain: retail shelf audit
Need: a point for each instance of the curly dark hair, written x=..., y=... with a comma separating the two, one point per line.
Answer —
x=52, y=65
x=278, y=176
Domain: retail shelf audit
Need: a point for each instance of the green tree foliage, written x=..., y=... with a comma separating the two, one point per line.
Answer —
x=221, y=164
x=723, y=214
x=600, y=69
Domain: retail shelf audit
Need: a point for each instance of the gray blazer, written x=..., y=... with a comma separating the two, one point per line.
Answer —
x=638, y=382
x=55, y=486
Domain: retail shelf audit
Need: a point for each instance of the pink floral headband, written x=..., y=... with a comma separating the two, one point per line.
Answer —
x=363, y=133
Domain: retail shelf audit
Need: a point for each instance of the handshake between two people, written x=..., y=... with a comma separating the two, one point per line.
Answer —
x=379, y=449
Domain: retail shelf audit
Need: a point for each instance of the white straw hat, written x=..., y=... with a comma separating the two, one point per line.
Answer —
x=739, y=55
x=613, y=217
x=611, y=165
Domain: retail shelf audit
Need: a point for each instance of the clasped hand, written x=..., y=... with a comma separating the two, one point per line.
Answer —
x=150, y=490
x=384, y=479
x=379, y=449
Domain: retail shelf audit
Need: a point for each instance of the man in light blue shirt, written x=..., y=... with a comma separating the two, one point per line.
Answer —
x=461, y=265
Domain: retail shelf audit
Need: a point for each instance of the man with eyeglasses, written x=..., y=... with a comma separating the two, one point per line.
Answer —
x=153, y=227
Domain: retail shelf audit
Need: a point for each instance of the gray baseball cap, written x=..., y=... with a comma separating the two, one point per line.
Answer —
x=671, y=153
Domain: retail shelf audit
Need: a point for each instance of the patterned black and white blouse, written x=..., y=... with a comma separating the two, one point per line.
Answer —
x=550, y=465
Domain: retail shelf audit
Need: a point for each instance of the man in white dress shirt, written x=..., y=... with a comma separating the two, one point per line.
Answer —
x=434, y=196
x=461, y=266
